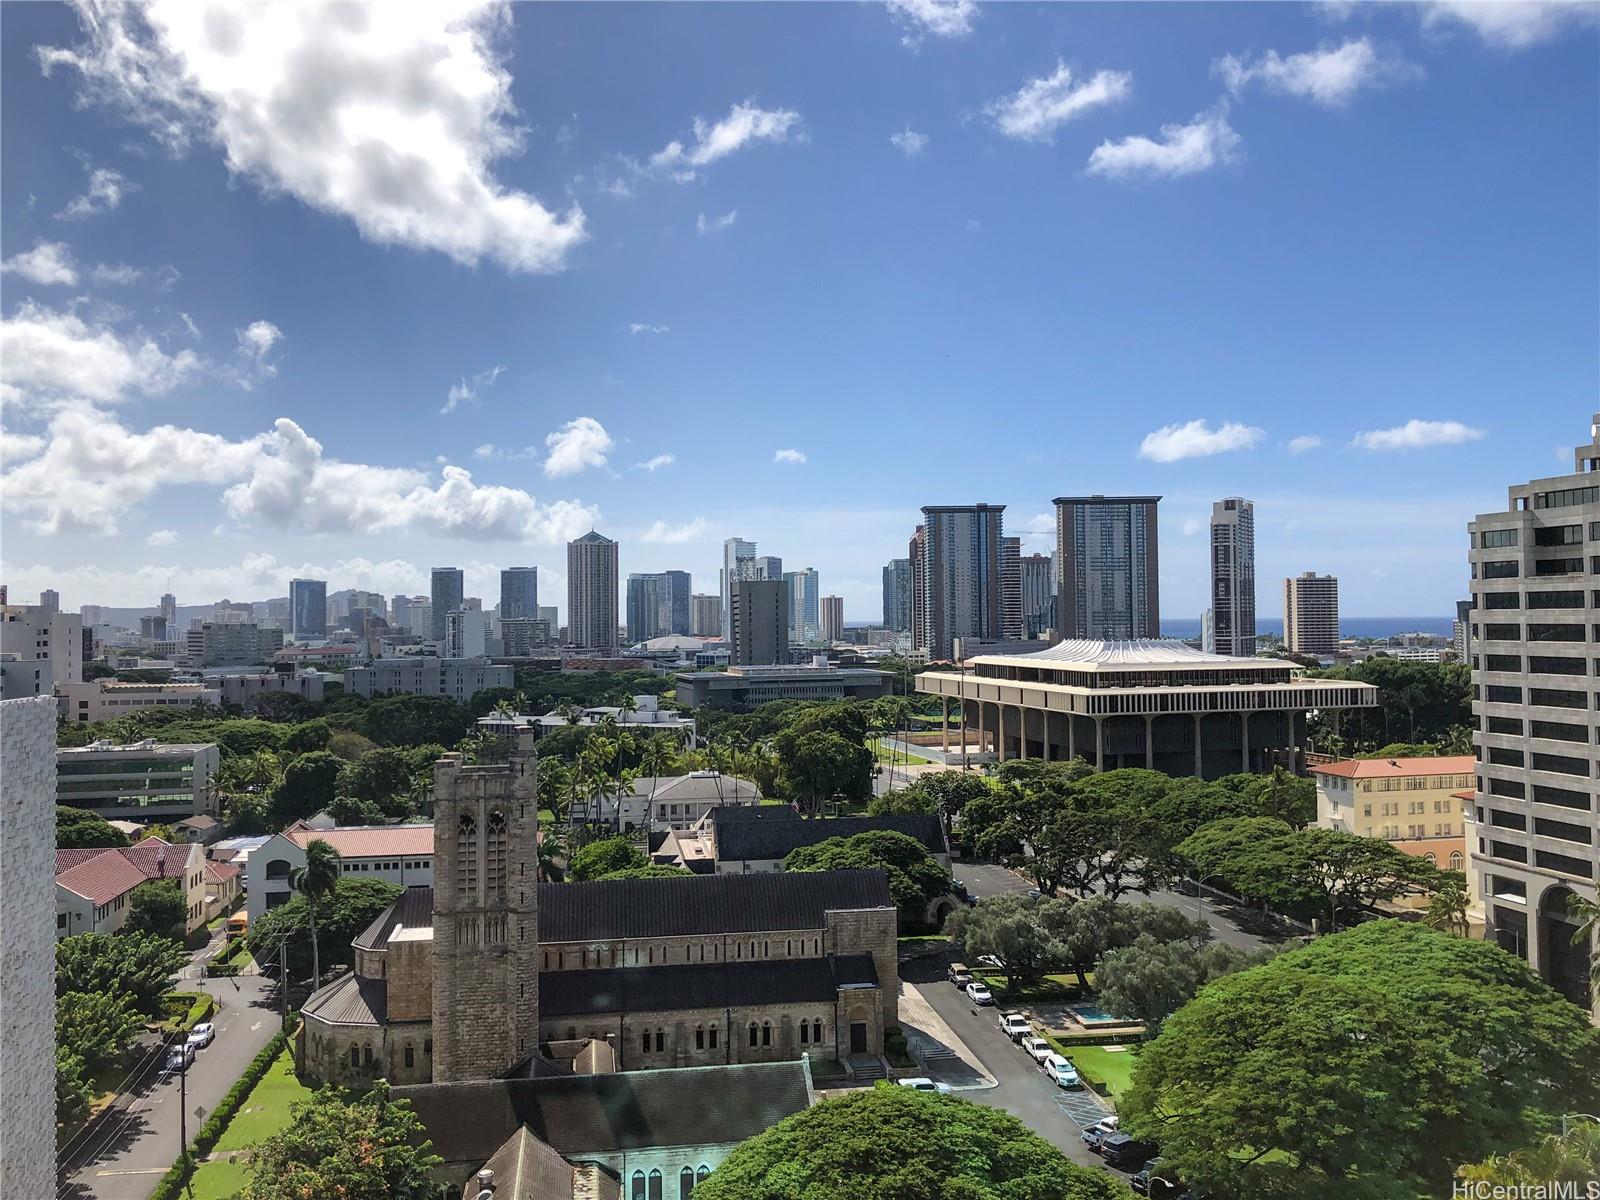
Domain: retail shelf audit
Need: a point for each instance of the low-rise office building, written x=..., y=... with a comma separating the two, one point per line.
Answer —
x=93, y=886
x=748, y=840
x=245, y=691
x=749, y=686
x=400, y=854
x=1413, y=803
x=231, y=643
x=103, y=699
x=1143, y=703
x=459, y=679
x=147, y=780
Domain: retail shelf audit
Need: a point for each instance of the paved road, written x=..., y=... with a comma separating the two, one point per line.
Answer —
x=124, y=1157
x=1244, y=928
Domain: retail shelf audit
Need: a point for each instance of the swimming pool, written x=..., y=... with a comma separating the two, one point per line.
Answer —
x=1093, y=1014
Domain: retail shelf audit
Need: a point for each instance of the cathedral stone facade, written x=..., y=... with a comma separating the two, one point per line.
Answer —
x=486, y=974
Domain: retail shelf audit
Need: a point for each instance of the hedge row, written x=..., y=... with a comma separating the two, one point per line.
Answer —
x=229, y=960
x=185, y=1010
x=172, y=1183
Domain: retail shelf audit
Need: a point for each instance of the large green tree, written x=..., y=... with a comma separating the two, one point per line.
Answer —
x=308, y=786
x=98, y=1027
x=368, y=1147
x=605, y=857
x=916, y=879
x=415, y=720
x=1082, y=932
x=819, y=764
x=892, y=1143
x=73, y=1090
x=1009, y=930
x=1367, y=1063
x=354, y=904
x=157, y=906
x=79, y=829
x=137, y=965
x=1150, y=980
x=382, y=777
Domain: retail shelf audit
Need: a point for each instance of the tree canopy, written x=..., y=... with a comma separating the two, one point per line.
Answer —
x=368, y=1147
x=1367, y=1063
x=97, y=1027
x=157, y=906
x=354, y=904
x=308, y=786
x=605, y=857
x=819, y=764
x=137, y=965
x=916, y=880
x=892, y=1143
x=1150, y=980
x=79, y=829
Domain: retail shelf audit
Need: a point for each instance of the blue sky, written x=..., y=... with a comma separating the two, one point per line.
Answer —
x=352, y=293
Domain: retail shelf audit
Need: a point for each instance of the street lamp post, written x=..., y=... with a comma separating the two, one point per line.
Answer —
x=1199, y=913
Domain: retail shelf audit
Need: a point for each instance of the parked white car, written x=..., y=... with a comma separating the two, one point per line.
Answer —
x=202, y=1034
x=1015, y=1026
x=1061, y=1071
x=921, y=1084
x=1037, y=1048
x=979, y=994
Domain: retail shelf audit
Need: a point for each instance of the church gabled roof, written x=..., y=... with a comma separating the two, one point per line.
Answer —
x=704, y=904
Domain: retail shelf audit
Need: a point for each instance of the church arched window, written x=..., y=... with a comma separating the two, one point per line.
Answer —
x=766, y=1033
x=467, y=855
x=685, y=1183
x=816, y=1031
x=636, y=1192
x=755, y=1033
x=495, y=852
x=655, y=1185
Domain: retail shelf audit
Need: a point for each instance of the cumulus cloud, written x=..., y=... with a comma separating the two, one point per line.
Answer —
x=639, y=327
x=50, y=358
x=161, y=537
x=672, y=535
x=577, y=446
x=933, y=18
x=1508, y=24
x=1416, y=435
x=105, y=191
x=1329, y=75
x=48, y=263
x=655, y=464
x=909, y=142
x=14, y=446
x=1304, y=443
x=257, y=339
x=794, y=457
x=1037, y=109
x=704, y=224
x=390, y=115
x=744, y=125
x=1196, y=439
x=467, y=390
x=1205, y=142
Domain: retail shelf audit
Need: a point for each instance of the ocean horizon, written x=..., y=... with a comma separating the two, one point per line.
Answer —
x=1358, y=627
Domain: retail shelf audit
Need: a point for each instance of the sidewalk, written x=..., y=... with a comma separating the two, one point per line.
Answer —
x=937, y=1047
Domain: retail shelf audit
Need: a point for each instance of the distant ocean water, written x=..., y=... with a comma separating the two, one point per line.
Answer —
x=1356, y=627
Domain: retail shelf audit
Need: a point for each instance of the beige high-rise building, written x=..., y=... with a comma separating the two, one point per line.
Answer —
x=832, y=618
x=1233, y=578
x=592, y=592
x=1311, y=614
x=705, y=615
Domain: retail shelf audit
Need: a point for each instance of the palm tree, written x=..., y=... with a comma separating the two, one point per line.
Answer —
x=316, y=881
x=1447, y=910
x=1587, y=914
x=655, y=759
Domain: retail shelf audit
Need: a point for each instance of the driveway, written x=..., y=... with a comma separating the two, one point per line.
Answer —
x=123, y=1156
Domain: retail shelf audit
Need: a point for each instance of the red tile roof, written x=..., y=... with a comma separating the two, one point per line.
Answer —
x=369, y=841
x=102, y=878
x=220, y=872
x=1389, y=768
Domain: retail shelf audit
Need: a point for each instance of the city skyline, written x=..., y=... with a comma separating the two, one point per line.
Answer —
x=155, y=302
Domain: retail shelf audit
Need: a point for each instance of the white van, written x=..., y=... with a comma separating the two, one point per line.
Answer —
x=1061, y=1071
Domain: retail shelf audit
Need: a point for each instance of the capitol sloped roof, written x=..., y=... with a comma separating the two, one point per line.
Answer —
x=1135, y=652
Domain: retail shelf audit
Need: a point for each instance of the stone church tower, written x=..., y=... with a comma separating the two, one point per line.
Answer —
x=485, y=913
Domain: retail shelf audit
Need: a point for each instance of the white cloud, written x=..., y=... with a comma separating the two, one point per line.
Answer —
x=909, y=142
x=638, y=327
x=704, y=225
x=257, y=339
x=655, y=464
x=1192, y=526
x=14, y=446
x=788, y=456
x=1196, y=439
x=744, y=125
x=489, y=450
x=933, y=18
x=1304, y=443
x=673, y=535
x=388, y=114
x=468, y=389
x=1417, y=435
x=1509, y=24
x=1329, y=75
x=576, y=446
x=1183, y=150
x=105, y=191
x=1040, y=106
x=46, y=264
x=162, y=537
x=115, y=274
x=50, y=358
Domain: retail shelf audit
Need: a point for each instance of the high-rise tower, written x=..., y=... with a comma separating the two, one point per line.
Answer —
x=1233, y=577
x=1107, y=567
x=485, y=914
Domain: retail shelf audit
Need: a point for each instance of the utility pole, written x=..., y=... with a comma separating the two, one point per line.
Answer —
x=283, y=982
x=183, y=1104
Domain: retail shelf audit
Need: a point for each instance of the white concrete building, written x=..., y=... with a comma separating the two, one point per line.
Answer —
x=31, y=633
x=466, y=632
x=102, y=699
x=146, y=780
x=246, y=690
x=457, y=678
x=27, y=947
x=671, y=801
x=400, y=854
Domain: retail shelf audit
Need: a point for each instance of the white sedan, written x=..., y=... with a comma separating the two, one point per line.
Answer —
x=202, y=1034
x=922, y=1084
x=979, y=994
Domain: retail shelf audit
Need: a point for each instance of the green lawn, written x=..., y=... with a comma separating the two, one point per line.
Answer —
x=266, y=1109
x=217, y=1181
x=1098, y=1064
x=1051, y=987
